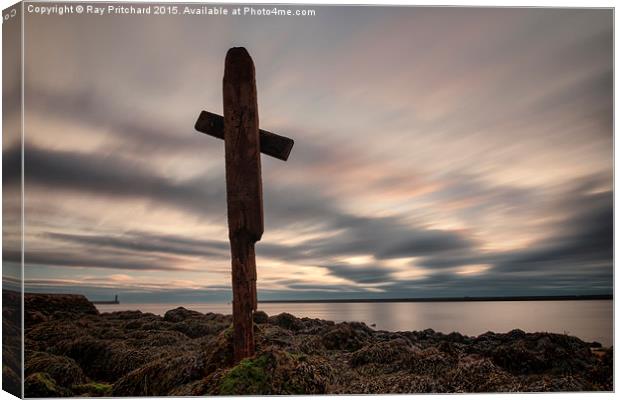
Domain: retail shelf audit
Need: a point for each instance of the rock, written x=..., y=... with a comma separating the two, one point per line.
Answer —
x=253, y=376
x=195, y=328
x=314, y=326
x=286, y=321
x=153, y=338
x=516, y=357
x=181, y=314
x=32, y=318
x=65, y=371
x=192, y=323
x=195, y=388
x=268, y=335
x=398, y=382
x=260, y=317
x=93, y=389
x=474, y=374
x=312, y=375
x=124, y=315
x=275, y=372
x=346, y=336
x=147, y=322
x=52, y=332
x=430, y=361
x=131, y=353
x=47, y=304
x=601, y=375
x=219, y=351
x=159, y=377
x=540, y=352
x=11, y=381
x=41, y=384
x=311, y=345
x=516, y=334
x=105, y=360
x=551, y=383
x=427, y=334
x=392, y=353
x=608, y=357
x=455, y=337
x=449, y=347
x=11, y=357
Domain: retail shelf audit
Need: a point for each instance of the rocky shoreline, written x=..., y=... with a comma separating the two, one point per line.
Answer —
x=73, y=350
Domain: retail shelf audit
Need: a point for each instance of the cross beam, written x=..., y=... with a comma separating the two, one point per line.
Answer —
x=271, y=144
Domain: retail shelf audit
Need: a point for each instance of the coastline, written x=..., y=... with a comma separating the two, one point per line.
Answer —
x=588, y=320
x=72, y=350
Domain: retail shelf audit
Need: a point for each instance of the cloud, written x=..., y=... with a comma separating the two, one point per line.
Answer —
x=361, y=274
x=118, y=178
x=108, y=176
x=424, y=242
x=120, y=278
x=90, y=260
x=124, y=133
x=584, y=240
x=143, y=242
x=462, y=153
x=585, y=237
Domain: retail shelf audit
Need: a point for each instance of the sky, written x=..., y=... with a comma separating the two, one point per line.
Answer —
x=438, y=152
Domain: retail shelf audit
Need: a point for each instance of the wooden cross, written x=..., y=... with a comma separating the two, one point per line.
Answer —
x=243, y=142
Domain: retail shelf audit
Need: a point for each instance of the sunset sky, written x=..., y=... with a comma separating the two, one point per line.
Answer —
x=438, y=152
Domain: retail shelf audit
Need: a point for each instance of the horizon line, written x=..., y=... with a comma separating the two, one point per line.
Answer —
x=451, y=299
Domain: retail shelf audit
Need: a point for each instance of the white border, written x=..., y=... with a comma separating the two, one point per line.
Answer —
x=489, y=3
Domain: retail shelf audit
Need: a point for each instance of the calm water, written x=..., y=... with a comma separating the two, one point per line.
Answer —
x=590, y=320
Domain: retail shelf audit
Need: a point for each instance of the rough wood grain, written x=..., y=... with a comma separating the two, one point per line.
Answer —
x=243, y=191
x=271, y=144
x=244, y=295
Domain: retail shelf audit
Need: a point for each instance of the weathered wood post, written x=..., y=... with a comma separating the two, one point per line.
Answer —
x=243, y=143
x=243, y=191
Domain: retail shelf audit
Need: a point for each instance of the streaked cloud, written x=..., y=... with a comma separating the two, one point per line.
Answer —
x=439, y=152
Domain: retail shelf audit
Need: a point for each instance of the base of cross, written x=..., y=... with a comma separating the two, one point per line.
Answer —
x=244, y=295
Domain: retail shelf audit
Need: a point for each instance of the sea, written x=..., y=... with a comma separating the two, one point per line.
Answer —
x=589, y=320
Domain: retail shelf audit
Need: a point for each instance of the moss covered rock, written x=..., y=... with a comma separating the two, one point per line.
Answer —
x=41, y=384
x=276, y=372
x=132, y=353
x=64, y=370
x=93, y=389
x=251, y=376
